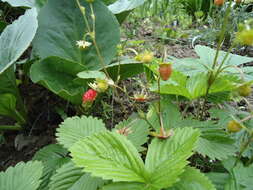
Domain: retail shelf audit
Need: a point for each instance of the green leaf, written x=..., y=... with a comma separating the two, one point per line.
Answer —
x=110, y=156
x=207, y=56
x=127, y=186
x=7, y=104
x=24, y=176
x=125, y=67
x=195, y=86
x=124, y=5
x=214, y=141
x=53, y=157
x=8, y=108
x=166, y=159
x=8, y=82
x=76, y=128
x=71, y=177
x=193, y=179
x=91, y=75
x=176, y=85
x=138, y=131
x=240, y=176
x=59, y=76
x=59, y=31
x=26, y=3
x=218, y=179
x=188, y=66
x=8, y=86
x=216, y=144
x=122, y=8
x=170, y=114
x=16, y=38
x=2, y=25
x=244, y=175
x=193, y=66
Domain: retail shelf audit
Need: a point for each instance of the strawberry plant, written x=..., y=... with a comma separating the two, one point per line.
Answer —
x=113, y=155
x=179, y=124
x=191, y=80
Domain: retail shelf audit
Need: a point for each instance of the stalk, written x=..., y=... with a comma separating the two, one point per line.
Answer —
x=92, y=34
x=10, y=128
x=212, y=74
x=160, y=109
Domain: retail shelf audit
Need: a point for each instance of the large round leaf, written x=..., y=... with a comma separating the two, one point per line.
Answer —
x=61, y=25
x=16, y=38
x=58, y=75
x=121, y=6
x=26, y=3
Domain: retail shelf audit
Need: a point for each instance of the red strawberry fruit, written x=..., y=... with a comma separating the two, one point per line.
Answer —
x=165, y=71
x=89, y=96
x=219, y=2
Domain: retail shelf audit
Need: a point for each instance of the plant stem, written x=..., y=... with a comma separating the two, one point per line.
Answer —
x=160, y=108
x=19, y=117
x=222, y=34
x=213, y=75
x=95, y=43
x=93, y=36
x=10, y=127
x=243, y=148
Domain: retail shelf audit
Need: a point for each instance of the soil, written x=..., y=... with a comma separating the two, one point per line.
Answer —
x=22, y=145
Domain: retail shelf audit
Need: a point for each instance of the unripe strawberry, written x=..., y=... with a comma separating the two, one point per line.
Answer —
x=89, y=96
x=245, y=37
x=165, y=71
x=219, y=2
x=233, y=126
x=147, y=57
x=244, y=90
x=138, y=57
x=102, y=85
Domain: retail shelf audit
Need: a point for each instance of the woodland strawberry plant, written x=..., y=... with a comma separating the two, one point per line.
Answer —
x=186, y=136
